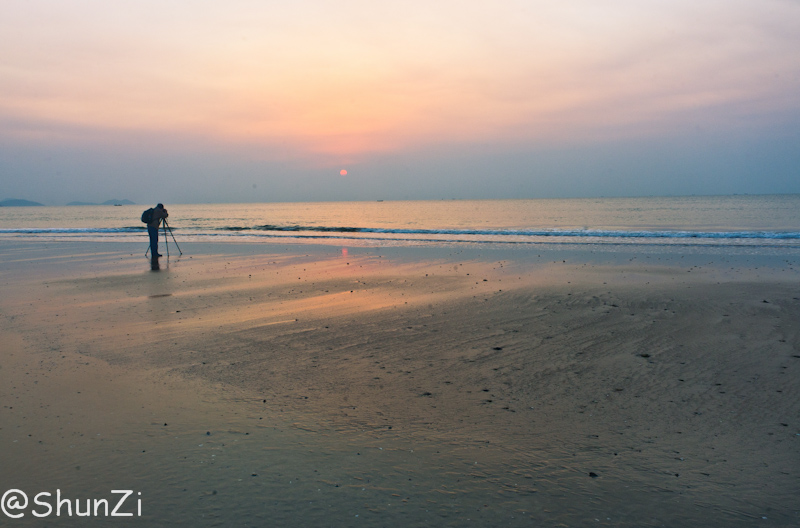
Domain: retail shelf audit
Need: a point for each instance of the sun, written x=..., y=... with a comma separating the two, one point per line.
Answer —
x=343, y=172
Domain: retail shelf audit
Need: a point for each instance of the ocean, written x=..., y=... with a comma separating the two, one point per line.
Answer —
x=742, y=222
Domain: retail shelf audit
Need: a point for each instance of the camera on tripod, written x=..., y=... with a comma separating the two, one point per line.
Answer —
x=156, y=217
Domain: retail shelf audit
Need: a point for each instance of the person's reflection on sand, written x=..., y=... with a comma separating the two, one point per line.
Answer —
x=154, y=263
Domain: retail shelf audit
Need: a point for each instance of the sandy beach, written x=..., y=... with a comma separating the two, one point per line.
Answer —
x=321, y=386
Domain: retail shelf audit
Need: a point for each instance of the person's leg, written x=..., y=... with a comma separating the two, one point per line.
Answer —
x=153, y=232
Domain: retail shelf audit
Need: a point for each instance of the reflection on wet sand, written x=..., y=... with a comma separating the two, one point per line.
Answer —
x=279, y=390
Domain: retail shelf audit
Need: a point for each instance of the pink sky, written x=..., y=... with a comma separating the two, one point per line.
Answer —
x=342, y=81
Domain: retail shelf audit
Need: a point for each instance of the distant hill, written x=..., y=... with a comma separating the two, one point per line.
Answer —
x=18, y=203
x=107, y=202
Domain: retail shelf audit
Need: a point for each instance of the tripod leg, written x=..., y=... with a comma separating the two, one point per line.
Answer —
x=173, y=237
x=166, y=241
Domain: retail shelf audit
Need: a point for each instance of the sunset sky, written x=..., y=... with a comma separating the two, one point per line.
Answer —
x=247, y=100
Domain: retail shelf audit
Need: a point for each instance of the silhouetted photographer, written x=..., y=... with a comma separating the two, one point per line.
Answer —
x=153, y=217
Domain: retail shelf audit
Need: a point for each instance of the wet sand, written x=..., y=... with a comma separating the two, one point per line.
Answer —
x=301, y=385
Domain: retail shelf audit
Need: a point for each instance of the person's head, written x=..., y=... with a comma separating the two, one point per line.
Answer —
x=160, y=206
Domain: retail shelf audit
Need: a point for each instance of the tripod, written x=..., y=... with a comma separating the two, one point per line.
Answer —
x=165, y=226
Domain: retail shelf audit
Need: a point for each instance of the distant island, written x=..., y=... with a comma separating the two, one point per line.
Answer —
x=13, y=202
x=107, y=202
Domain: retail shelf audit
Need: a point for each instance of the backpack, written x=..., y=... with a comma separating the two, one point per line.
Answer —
x=147, y=216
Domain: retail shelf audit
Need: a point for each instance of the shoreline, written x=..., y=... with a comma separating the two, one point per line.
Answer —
x=670, y=382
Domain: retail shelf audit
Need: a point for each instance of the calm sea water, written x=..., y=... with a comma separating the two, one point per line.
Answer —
x=722, y=221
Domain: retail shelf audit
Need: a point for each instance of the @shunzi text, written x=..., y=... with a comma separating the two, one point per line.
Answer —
x=119, y=503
